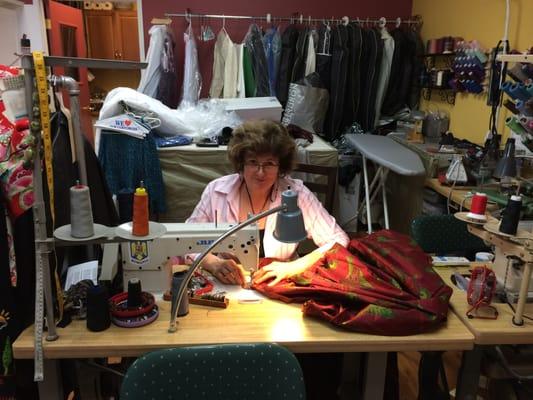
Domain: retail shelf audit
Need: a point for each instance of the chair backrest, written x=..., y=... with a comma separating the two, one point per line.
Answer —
x=327, y=189
x=234, y=371
x=444, y=235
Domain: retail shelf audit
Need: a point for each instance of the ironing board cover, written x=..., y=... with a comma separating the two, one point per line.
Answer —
x=383, y=284
x=387, y=152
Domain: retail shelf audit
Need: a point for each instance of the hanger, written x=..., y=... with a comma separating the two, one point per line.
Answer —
x=382, y=22
x=398, y=22
x=68, y=116
x=345, y=20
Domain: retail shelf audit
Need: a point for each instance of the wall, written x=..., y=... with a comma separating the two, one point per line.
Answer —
x=482, y=20
x=237, y=29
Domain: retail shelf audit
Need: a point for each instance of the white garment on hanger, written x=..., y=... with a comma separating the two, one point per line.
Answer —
x=226, y=66
x=310, y=62
x=384, y=74
x=231, y=70
x=151, y=75
x=241, y=90
x=192, y=80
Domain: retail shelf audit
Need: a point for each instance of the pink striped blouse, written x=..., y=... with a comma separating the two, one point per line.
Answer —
x=222, y=195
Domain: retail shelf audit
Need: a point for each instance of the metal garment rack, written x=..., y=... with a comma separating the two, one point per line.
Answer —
x=44, y=245
x=297, y=18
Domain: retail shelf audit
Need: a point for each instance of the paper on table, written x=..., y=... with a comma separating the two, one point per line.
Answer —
x=237, y=292
x=79, y=272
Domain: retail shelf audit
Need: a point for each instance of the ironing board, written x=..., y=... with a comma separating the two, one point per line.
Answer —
x=388, y=155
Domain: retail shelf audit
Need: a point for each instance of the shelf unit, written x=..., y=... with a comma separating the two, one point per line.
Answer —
x=517, y=58
x=446, y=94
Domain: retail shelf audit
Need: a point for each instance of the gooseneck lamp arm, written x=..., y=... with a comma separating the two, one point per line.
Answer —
x=289, y=229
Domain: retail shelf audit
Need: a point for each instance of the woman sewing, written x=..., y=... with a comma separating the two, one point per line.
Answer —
x=262, y=154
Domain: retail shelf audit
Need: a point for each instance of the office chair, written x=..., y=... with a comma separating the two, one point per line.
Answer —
x=263, y=371
x=445, y=235
x=324, y=191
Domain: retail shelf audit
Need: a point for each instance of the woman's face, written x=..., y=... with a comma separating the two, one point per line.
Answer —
x=260, y=171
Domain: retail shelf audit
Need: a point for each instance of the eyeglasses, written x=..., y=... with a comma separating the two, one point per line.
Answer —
x=268, y=166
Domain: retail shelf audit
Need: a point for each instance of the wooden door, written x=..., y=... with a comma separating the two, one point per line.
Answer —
x=67, y=38
x=100, y=34
x=127, y=35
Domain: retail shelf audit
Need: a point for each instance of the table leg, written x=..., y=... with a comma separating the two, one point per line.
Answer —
x=384, y=195
x=468, y=377
x=375, y=374
x=367, y=197
x=51, y=388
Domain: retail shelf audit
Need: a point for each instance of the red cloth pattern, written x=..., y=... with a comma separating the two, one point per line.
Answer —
x=384, y=284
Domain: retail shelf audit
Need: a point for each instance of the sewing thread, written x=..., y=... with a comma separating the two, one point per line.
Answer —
x=511, y=215
x=81, y=214
x=140, y=212
x=478, y=207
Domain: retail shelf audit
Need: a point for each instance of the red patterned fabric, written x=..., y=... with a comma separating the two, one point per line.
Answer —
x=384, y=284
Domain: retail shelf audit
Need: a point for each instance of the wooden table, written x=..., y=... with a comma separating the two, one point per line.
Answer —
x=270, y=321
x=485, y=331
x=459, y=194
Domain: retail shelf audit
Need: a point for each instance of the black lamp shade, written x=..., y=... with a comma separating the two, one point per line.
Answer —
x=506, y=167
x=290, y=226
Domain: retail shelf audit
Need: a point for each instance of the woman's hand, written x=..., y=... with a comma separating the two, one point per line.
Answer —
x=225, y=270
x=279, y=271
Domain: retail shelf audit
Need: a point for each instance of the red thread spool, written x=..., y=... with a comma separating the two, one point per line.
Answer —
x=140, y=213
x=478, y=207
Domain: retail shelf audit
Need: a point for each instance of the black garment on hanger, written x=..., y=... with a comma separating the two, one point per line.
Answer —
x=368, y=70
x=349, y=100
x=339, y=67
x=166, y=90
x=254, y=42
x=298, y=70
x=288, y=52
x=323, y=55
x=377, y=73
x=357, y=49
x=393, y=100
x=409, y=60
x=418, y=68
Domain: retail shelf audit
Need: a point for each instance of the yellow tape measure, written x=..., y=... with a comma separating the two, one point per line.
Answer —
x=44, y=107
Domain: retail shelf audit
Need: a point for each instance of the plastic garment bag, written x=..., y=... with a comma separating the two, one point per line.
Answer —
x=192, y=80
x=307, y=104
x=151, y=76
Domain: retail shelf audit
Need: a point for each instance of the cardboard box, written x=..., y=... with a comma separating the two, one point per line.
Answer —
x=255, y=108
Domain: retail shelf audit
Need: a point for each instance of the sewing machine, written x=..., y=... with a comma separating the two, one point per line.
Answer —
x=146, y=259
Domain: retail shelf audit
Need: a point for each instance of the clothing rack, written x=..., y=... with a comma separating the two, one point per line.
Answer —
x=299, y=18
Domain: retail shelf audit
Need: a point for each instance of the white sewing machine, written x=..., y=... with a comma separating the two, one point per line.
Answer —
x=145, y=259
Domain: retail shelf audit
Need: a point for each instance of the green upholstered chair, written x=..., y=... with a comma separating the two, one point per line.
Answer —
x=445, y=235
x=233, y=371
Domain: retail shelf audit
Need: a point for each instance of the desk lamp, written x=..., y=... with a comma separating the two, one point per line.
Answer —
x=506, y=167
x=289, y=229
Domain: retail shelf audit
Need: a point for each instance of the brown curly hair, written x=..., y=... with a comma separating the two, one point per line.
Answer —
x=262, y=137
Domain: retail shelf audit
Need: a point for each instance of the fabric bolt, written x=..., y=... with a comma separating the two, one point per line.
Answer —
x=151, y=76
x=288, y=53
x=248, y=73
x=323, y=55
x=192, y=80
x=272, y=45
x=298, y=69
x=127, y=161
x=382, y=284
x=384, y=71
x=254, y=43
x=222, y=196
x=339, y=67
x=310, y=59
